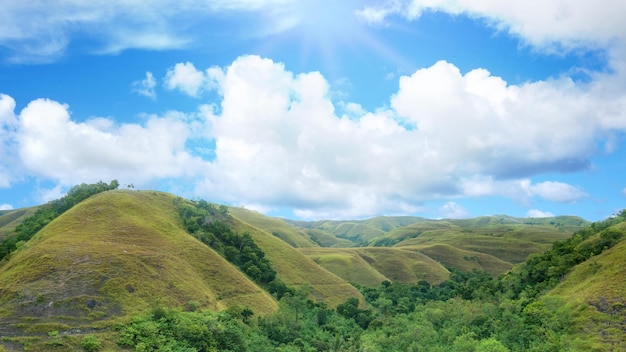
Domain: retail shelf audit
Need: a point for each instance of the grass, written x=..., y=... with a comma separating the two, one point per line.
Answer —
x=296, y=237
x=594, y=290
x=369, y=266
x=295, y=269
x=11, y=218
x=347, y=264
x=119, y=253
x=463, y=260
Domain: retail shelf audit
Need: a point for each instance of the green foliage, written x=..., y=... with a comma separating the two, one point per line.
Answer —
x=90, y=343
x=172, y=330
x=210, y=224
x=48, y=212
x=543, y=271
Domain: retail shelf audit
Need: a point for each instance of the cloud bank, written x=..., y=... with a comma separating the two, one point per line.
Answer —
x=280, y=141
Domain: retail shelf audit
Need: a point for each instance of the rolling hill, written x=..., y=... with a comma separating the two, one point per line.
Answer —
x=122, y=253
x=115, y=254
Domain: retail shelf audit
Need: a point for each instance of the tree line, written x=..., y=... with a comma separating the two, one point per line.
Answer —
x=210, y=223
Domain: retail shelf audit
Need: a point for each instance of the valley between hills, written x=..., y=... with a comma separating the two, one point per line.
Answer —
x=108, y=269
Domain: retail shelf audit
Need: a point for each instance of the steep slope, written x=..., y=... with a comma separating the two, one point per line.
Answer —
x=596, y=294
x=295, y=269
x=117, y=253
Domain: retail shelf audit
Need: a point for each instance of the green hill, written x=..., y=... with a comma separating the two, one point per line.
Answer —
x=358, y=232
x=295, y=269
x=292, y=235
x=595, y=292
x=115, y=254
x=369, y=266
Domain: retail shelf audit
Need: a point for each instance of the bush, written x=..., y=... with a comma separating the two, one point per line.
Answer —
x=91, y=343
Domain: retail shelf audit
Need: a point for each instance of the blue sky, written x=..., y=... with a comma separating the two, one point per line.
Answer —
x=320, y=109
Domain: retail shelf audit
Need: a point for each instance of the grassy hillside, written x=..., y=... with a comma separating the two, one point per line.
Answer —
x=596, y=294
x=370, y=266
x=277, y=227
x=117, y=253
x=295, y=269
x=358, y=231
x=463, y=260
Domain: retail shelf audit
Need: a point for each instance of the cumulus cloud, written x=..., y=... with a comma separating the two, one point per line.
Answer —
x=35, y=31
x=185, y=78
x=279, y=140
x=6, y=207
x=558, y=24
x=535, y=213
x=53, y=146
x=146, y=86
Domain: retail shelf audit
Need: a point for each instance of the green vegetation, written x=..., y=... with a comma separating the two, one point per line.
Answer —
x=116, y=254
x=471, y=311
x=209, y=223
x=86, y=278
x=48, y=212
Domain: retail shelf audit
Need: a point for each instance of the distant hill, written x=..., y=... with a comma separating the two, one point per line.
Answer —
x=294, y=268
x=359, y=232
x=490, y=243
x=11, y=218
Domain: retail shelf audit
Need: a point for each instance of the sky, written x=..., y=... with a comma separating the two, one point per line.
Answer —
x=320, y=109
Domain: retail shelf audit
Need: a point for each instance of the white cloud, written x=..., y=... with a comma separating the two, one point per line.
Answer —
x=8, y=126
x=53, y=146
x=534, y=213
x=36, y=31
x=185, y=78
x=557, y=24
x=452, y=210
x=624, y=191
x=6, y=207
x=145, y=86
x=522, y=190
x=280, y=142
x=557, y=192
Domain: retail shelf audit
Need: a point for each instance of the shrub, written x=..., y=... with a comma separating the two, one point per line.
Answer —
x=91, y=343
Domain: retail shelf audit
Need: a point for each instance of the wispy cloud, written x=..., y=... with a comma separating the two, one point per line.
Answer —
x=35, y=31
x=145, y=86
